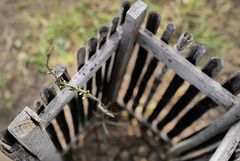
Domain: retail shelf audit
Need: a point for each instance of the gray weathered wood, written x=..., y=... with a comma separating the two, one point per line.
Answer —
x=223, y=123
x=134, y=19
x=109, y=63
x=199, y=152
x=124, y=7
x=28, y=129
x=158, y=80
x=183, y=42
x=153, y=22
x=228, y=144
x=91, y=47
x=39, y=106
x=62, y=72
x=7, y=137
x=81, y=52
x=185, y=69
x=113, y=26
x=81, y=78
x=47, y=93
x=18, y=153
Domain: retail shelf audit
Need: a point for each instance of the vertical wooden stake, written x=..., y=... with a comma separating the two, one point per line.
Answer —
x=28, y=129
x=133, y=21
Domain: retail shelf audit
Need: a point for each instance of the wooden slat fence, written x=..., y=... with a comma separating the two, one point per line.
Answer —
x=101, y=67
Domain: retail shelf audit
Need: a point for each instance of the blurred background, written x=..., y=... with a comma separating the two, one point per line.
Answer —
x=28, y=29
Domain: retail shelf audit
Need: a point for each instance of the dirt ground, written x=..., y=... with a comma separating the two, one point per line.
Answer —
x=20, y=83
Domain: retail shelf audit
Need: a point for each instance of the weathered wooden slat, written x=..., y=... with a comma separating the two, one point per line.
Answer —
x=60, y=118
x=109, y=62
x=232, y=84
x=102, y=35
x=185, y=69
x=133, y=21
x=194, y=56
x=152, y=25
x=47, y=94
x=223, y=123
x=183, y=42
x=17, y=153
x=39, y=106
x=62, y=72
x=198, y=153
x=28, y=129
x=236, y=155
x=80, y=62
x=124, y=7
x=152, y=66
x=7, y=138
x=212, y=68
x=228, y=144
x=139, y=117
x=90, y=51
x=113, y=26
x=81, y=78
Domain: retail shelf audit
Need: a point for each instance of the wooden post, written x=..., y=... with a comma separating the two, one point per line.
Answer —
x=152, y=25
x=133, y=21
x=166, y=37
x=28, y=129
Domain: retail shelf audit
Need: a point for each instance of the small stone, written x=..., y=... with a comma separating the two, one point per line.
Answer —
x=143, y=159
x=125, y=155
x=143, y=150
x=136, y=158
x=153, y=157
x=113, y=152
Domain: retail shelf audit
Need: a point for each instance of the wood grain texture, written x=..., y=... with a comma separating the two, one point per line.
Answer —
x=73, y=104
x=80, y=78
x=108, y=65
x=185, y=69
x=212, y=68
x=152, y=25
x=223, y=123
x=167, y=34
x=18, y=153
x=228, y=144
x=194, y=56
x=39, y=106
x=47, y=94
x=133, y=21
x=28, y=129
x=91, y=47
x=81, y=52
x=232, y=84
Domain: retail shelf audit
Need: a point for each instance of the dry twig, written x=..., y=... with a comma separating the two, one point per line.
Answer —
x=62, y=83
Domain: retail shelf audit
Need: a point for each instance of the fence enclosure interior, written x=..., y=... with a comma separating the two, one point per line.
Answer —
x=140, y=87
